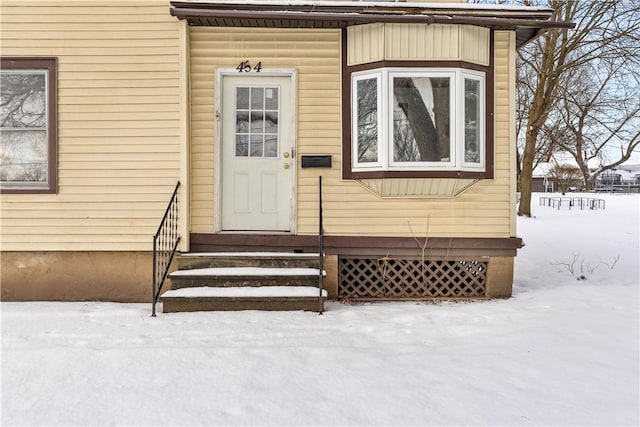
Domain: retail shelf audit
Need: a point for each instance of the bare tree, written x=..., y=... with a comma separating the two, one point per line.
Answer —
x=598, y=116
x=564, y=177
x=604, y=29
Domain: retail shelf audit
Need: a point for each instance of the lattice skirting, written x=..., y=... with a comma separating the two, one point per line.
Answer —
x=395, y=278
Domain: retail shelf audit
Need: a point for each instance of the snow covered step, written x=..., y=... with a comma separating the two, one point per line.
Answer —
x=272, y=298
x=247, y=259
x=244, y=276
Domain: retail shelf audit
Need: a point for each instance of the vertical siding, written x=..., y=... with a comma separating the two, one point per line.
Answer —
x=416, y=42
x=375, y=42
x=118, y=122
x=366, y=43
x=474, y=44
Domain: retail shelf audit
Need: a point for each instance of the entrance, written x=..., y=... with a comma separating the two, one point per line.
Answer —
x=257, y=163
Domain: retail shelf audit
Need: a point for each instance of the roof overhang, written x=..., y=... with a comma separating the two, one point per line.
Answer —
x=527, y=22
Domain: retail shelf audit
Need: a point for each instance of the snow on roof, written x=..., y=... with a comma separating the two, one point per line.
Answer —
x=542, y=169
x=374, y=4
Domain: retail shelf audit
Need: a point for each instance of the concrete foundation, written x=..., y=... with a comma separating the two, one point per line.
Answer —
x=76, y=276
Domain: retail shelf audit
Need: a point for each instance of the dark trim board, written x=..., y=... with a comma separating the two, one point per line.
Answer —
x=357, y=245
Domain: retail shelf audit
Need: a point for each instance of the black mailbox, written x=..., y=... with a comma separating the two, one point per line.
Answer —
x=316, y=161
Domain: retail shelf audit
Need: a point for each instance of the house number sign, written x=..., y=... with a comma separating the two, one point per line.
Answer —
x=246, y=67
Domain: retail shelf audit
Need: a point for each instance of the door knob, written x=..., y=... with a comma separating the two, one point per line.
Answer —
x=286, y=165
x=286, y=154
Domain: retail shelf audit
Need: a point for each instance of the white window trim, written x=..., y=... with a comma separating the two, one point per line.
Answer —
x=482, y=118
x=385, y=162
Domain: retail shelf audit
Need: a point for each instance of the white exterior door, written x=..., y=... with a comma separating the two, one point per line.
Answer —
x=256, y=164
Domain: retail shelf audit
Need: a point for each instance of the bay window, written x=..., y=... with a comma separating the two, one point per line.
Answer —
x=418, y=119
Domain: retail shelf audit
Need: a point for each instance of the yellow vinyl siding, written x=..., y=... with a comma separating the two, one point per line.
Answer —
x=350, y=209
x=118, y=122
x=315, y=54
x=484, y=210
x=365, y=43
x=437, y=42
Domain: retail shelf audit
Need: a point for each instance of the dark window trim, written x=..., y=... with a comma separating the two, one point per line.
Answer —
x=347, y=71
x=51, y=65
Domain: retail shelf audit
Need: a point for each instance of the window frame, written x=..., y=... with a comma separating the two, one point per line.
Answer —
x=386, y=142
x=482, y=124
x=381, y=125
x=49, y=65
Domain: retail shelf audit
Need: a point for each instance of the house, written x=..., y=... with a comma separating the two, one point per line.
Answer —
x=559, y=166
x=540, y=180
x=406, y=110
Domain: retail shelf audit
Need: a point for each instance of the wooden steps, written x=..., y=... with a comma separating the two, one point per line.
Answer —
x=244, y=281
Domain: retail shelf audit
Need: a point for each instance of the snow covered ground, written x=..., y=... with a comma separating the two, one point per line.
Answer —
x=562, y=351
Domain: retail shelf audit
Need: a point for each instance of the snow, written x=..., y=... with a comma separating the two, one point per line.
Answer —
x=252, y=254
x=561, y=351
x=381, y=3
x=246, y=271
x=245, y=292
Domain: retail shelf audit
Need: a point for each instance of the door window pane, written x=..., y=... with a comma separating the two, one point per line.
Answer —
x=271, y=99
x=242, y=145
x=242, y=122
x=242, y=98
x=271, y=146
x=257, y=144
x=257, y=98
x=271, y=122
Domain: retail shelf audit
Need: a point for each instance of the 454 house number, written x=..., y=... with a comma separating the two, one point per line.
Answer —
x=248, y=67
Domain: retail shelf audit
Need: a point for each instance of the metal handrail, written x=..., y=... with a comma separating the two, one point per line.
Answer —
x=165, y=245
x=320, y=247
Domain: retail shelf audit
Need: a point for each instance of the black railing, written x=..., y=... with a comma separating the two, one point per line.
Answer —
x=320, y=248
x=165, y=244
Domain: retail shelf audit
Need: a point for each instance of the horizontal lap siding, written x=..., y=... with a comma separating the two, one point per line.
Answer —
x=118, y=122
x=481, y=211
x=315, y=54
x=349, y=208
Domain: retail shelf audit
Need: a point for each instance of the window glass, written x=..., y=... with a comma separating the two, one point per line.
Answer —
x=257, y=117
x=471, y=120
x=421, y=116
x=367, y=120
x=24, y=144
